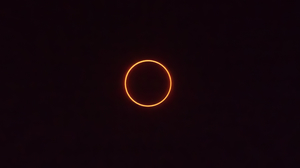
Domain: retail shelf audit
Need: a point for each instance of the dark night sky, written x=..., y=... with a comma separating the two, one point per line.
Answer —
x=66, y=99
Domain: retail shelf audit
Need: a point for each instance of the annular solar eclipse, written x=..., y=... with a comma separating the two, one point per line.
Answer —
x=136, y=101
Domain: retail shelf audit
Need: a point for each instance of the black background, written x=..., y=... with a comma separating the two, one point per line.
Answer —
x=66, y=103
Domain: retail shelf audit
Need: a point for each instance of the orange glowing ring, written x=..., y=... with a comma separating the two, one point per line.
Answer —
x=149, y=105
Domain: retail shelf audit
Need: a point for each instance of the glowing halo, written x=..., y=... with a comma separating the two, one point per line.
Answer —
x=149, y=105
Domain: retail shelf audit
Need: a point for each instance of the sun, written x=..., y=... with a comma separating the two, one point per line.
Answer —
x=147, y=105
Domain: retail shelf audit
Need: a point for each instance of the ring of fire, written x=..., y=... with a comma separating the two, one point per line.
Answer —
x=147, y=105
